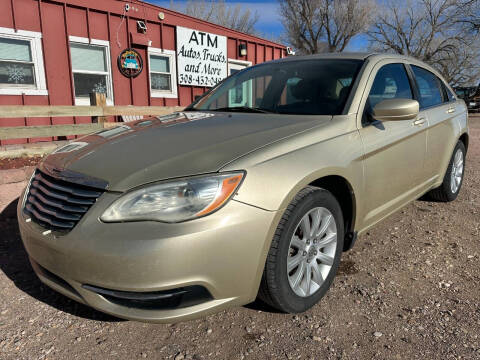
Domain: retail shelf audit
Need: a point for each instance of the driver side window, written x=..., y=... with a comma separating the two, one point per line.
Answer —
x=391, y=82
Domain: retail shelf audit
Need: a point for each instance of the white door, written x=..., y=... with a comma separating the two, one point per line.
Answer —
x=241, y=95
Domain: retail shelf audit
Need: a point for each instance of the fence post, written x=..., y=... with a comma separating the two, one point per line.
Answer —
x=98, y=99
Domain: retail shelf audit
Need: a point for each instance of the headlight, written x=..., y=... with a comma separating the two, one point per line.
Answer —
x=175, y=201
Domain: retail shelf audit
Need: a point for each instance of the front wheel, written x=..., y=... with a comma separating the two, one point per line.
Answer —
x=305, y=252
x=453, y=179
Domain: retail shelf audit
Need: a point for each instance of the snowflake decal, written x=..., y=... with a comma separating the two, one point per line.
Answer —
x=100, y=88
x=16, y=74
x=159, y=83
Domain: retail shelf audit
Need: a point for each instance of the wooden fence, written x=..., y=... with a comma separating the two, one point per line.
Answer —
x=98, y=111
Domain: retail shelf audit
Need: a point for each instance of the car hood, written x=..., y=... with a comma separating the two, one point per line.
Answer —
x=176, y=145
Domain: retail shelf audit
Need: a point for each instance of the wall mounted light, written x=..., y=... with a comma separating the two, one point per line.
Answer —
x=141, y=27
x=242, y=49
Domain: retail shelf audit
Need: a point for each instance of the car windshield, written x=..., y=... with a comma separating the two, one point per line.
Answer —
x=304, y=87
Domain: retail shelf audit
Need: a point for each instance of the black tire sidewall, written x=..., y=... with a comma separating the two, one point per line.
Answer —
x=291, y=301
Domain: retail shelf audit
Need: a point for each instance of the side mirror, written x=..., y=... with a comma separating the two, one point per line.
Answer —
x=396, y=109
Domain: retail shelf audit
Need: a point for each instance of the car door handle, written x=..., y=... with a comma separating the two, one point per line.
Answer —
x=419, y=122
x=450, y=110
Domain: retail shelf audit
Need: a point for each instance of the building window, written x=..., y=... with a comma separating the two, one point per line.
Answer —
x=21, y=63
x=241, y=95
x=91, y=69
x=163, y=78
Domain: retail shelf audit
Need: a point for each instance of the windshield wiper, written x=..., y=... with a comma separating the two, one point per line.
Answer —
x=244, y=109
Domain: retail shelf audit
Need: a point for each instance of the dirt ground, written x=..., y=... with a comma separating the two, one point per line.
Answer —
x=410, y=289
x=15, y=163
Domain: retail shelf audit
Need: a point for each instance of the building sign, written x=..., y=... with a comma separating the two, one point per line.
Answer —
x=130, y=63
x=201, y=57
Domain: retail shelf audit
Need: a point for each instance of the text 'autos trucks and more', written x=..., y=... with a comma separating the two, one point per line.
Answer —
x=255, y=189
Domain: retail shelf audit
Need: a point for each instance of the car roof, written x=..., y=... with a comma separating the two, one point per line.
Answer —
x=374, y=56
x=350, y=55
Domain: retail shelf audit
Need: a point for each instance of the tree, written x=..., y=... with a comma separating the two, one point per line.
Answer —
x=432, y=31
x=470, y=15
x=314, y=26
x=218, y=12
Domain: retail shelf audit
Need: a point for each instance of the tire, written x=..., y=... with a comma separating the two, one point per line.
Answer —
x=448, y=191
x=287, y=291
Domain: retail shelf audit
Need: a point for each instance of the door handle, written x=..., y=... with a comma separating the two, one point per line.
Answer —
x=419, y=122
x=451, y=110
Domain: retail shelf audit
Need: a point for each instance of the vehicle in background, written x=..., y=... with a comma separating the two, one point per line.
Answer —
x=471, y=96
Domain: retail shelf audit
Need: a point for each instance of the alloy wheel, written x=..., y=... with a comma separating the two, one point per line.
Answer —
x=457, y=171
x=312, y=251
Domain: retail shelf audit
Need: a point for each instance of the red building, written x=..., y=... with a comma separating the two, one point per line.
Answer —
x=56, y=52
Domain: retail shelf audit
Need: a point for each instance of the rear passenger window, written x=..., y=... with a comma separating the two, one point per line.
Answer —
x=391, y=82
x=428, y=86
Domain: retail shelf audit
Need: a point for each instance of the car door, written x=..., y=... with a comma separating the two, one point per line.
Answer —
x=394, y=150
x=440, y=109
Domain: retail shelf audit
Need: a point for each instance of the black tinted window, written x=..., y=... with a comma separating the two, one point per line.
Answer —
x=390, y=82
x=428, y=87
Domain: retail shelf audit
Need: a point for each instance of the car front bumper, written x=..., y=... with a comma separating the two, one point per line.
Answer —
x=223, y=253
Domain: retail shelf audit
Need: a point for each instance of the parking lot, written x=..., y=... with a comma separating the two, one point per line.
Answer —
x=409, y=289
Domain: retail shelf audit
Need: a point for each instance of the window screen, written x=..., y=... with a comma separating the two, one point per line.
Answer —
x=88, y=58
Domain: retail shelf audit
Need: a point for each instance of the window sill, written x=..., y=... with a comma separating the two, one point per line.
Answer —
x=164, y=95
x=13, y=91
x=86, y=101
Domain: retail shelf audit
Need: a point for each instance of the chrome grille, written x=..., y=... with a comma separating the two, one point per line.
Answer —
x=58, y=204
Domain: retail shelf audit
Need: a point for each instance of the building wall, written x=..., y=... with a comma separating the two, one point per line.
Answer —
x=104, y=20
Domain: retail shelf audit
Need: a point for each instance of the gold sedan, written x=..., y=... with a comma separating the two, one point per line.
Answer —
x=255, y=189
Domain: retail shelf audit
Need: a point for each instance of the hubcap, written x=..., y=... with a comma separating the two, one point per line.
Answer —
x=312, y=251
x=457, y=171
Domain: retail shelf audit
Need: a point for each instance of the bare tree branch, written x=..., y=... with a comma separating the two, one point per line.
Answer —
x=314, y=26
x=219, y=12
x=432, y=31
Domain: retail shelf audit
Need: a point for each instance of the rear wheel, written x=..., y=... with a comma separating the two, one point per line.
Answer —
x=305, y=252
x=453, y=179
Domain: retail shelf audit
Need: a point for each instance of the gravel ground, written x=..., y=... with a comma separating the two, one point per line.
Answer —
x=409, y=289
x=15, y=163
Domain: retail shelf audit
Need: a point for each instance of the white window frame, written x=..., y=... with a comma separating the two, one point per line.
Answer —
x=170, y=94
x=35, y=39
x=238, y=64
x=106, y=45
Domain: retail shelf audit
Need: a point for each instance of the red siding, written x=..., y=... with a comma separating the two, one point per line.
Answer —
x=26, y=14
x=121, y=84
x=57, y=67
x=98, y=25
x=6, y=18
x=169, y=37
x=232, y=49
x=77, y=22
x=102, y=20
